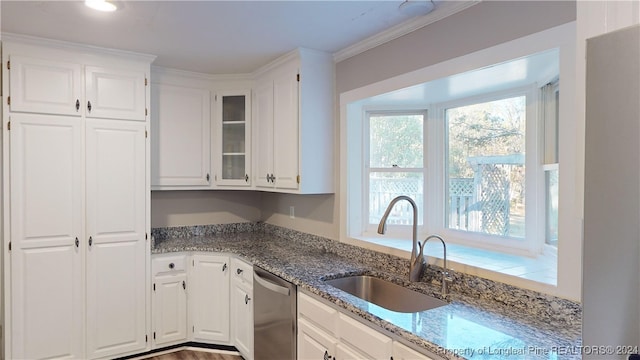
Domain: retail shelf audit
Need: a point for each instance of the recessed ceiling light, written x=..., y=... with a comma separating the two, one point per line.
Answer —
x=101, y=5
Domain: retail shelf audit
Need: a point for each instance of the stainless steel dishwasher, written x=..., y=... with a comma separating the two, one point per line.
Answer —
x=274, y=324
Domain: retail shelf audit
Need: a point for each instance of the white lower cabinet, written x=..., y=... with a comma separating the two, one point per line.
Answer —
x=314, y=343
x=47, y=290
x=325, y=333
x=403, y=352
x=116, y=249
x=169, y=300
x=242, y=308
x=209, y=298
x=362, y=341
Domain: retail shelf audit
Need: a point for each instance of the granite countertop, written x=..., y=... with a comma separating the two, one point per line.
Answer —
x=472, y=327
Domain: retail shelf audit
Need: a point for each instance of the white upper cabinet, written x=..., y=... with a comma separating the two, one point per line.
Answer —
x=180, y=136
x=293, y=124
x=44, y=86
x=232, y=148
x=47, y=86
x=115, y=93
x=263, y=130
x=200, y=131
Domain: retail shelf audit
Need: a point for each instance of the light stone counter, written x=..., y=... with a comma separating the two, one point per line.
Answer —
x=483, y=320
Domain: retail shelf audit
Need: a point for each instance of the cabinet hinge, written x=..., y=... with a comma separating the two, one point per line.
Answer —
x=145, y=82
x=9, y=125
x=8, y=100
x=146, y=134
x=9, y=65
x=154, y=335
x=193, y=263
x=298, y=77
x=146, y=112
x=146, y=236
x=298, y=179
x=154, y=287
x=193, y=329
x=215, y=97
x=146, y=338
x=9, y=245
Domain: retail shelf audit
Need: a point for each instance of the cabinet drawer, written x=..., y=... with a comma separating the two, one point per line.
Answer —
x=364, y=338
x=318, y=313
x=242, y=271
x=168, y=263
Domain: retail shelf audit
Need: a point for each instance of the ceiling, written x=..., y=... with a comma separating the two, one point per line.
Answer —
x=537, y=68
x=214, y=37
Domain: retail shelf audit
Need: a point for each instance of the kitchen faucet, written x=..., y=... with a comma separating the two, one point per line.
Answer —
x=416, y=264
x=445, y=273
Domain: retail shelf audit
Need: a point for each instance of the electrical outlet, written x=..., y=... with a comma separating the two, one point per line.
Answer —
x=292, y=212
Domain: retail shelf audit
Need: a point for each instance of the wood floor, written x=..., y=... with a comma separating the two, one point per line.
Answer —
x=194, y=355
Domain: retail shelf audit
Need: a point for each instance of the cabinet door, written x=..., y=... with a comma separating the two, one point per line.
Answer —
x=180, y=136
x=234, y=132
x=115, y=94
x=285, y=130
x=314, y=344
x=263, y=133
x=116, y=254
x=363, y=339
x=46, y=219
x=402, y=352
x=169, y=307
x=44, y=86
x=209, y=306
x=345, y=352
x=242, y=315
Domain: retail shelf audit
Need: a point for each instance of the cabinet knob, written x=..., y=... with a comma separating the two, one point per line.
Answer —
x=246, y=299
x=184, y=286
x=208, y=177
x=246, y=177
x=77, y=105
x=172, y=265
x=326, y=355
x=77, y=242
x=90, y=240
x=239, y=271
x=89, y=106
x=224, y=267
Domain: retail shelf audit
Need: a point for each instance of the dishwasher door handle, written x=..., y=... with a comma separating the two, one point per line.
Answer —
x=271, y=286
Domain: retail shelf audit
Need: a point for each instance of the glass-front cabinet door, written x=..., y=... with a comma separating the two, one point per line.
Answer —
x=234, y=160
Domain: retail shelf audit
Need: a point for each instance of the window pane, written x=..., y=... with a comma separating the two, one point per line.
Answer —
x=485, y=163
x=551, y=187
x=395, y=141
x=384, y=186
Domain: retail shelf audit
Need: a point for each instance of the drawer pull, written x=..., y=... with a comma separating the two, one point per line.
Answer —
x=172, y=265
x=239, y=271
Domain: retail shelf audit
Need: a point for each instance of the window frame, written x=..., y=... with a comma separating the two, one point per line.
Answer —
x=571, y=154
x=368, y=229
x=531, y=243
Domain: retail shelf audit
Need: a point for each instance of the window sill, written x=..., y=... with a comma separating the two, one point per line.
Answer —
x=539, y=273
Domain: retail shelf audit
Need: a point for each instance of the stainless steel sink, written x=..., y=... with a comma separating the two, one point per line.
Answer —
x=386, y=294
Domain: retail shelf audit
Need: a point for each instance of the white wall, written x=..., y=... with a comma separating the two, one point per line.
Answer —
x=611, y=104
x=183, y=208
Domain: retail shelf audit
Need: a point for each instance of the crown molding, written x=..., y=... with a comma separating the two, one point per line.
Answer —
x=403, y=28
x=76, y=47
